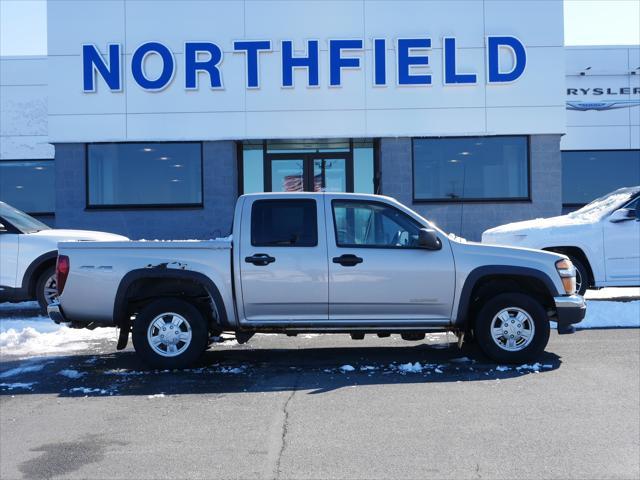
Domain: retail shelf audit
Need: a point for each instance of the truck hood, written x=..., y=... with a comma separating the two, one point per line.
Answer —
x=526, y=226
x=70, y=235
x=499, y=253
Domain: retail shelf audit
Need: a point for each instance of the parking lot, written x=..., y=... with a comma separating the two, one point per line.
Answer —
x=324, y=406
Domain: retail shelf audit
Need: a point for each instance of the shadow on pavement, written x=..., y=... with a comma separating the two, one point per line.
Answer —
x=244, y=369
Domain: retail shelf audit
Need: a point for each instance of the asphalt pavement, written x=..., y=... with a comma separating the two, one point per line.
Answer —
x=282, y=407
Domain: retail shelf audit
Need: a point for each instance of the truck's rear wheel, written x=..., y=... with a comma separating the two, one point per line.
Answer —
x=169, y=333
x=512, y=328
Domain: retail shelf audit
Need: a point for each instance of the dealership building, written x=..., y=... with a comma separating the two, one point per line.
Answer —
x=150, y=120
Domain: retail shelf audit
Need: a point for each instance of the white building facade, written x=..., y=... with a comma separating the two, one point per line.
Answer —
x=162, y=115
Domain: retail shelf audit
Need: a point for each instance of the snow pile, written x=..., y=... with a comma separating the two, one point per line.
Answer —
x=234, y=370
x=30, y=368
x=11, y=386
x=410, y=368
x=40, y=336
x=87, y=391
x=366, y=368
x=73, y=374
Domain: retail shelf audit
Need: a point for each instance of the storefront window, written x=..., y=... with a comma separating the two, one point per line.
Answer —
x=587, y=175
x=28, y=185
x=144, y=174
x=333, y=165
x=471, y=169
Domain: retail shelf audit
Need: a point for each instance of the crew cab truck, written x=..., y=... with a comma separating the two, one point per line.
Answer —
x=317, y=262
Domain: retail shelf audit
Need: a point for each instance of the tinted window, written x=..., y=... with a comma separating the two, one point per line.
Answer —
x=588, y=175
x=145, y=174
x=28, y=185
x=633, y=205
x=373, y=224
x=284, y=223
x=474, y=168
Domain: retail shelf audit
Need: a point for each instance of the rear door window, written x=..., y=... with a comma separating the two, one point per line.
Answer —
x=284, y=223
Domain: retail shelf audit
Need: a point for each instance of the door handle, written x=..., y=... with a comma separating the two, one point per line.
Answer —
x=347, y=260
x=260, y=259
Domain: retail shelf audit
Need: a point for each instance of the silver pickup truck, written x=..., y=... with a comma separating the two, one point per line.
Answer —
x=317, y=262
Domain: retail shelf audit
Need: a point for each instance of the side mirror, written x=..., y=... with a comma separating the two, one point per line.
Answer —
x=427, y=238
x=622, y=215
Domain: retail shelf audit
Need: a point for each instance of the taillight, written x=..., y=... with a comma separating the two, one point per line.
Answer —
x=62, y=272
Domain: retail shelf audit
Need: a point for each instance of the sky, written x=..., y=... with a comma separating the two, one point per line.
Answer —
x=23, y=24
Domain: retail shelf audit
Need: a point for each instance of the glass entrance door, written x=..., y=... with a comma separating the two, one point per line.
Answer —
x=308, y=172
x=313, y=165
x=330, y=174
x=288, y=175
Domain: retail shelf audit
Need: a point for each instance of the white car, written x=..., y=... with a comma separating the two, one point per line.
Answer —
x=28, y=252
x=602, y=239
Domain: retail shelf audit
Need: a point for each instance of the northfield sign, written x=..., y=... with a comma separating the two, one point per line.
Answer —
x=206, y=59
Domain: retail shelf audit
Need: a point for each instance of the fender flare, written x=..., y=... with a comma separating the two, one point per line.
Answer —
x=479, y=273
x=27, y=278
x=119, y=306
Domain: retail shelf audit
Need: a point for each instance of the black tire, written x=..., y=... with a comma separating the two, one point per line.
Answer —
x=40, y=287
x=532, y=308
x=582, y=275
x=150, y=313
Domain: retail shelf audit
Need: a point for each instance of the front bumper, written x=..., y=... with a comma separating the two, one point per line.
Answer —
x=570, y=309
x=55, y=313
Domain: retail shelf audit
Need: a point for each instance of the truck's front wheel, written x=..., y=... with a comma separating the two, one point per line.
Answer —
x=512, y=328
x=169, y=333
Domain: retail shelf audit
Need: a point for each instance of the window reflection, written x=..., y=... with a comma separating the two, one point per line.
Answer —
x=28, y=185
x=473, y=168
x=145, y=174
x=587, y=175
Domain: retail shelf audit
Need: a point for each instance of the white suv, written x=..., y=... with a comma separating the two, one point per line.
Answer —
x=602, y=239
x=28, y=251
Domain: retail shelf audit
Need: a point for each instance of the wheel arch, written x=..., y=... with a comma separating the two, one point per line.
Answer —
x=487, y=281
x=577, y=252
x=140, y=286
x=35, y=269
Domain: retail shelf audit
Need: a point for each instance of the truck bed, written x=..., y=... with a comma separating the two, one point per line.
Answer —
x=97, y=269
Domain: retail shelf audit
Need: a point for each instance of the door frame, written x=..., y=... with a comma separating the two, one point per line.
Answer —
x=307, y=167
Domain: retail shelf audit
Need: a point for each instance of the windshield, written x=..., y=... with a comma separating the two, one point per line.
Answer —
x=20, y=220
x=606, y=204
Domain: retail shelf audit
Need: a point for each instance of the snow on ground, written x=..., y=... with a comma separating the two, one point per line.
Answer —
x=21, y=385
x=610, y=293
x=72, y=374
x=38, y=335
x=29, y=367
x=611, y=314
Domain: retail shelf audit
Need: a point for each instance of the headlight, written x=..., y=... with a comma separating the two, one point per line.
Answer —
x=567, y=273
